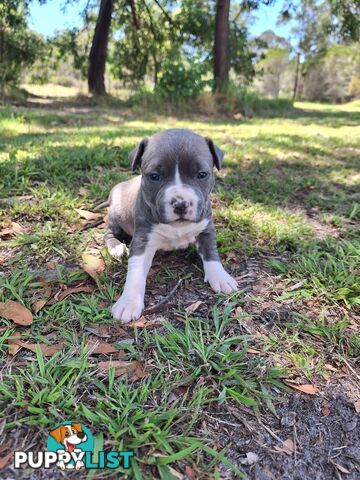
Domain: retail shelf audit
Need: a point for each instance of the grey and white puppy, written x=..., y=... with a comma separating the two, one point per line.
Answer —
x=165, y=208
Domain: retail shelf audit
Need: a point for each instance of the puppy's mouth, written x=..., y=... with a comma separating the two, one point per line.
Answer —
x=181, y=220
x=70, y=446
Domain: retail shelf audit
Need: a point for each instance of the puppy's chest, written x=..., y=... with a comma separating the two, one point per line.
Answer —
x=171, y=237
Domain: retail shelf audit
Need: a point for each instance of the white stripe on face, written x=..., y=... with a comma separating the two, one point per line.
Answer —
x=177, y=178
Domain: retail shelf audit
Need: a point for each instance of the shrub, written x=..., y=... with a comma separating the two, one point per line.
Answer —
x=181, y=79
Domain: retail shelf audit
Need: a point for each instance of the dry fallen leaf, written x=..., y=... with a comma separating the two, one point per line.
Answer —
x=296, y=286
x=190, y=472
x=4, y=460
x=38, y=305
x=13, y=348
x=88, y=215
x=142, y=322
x=175, y=473
x=326, y=411
x=41, y=298
x=16, y=312
x=286, y=447
x=193, y=307
x=11, y=230
x=340, y=468
x=47, y=350
x=92, y=265
x=357, y=406
x=122, y=367
x=98, y=347
x=254, y=352
x=330, y=367
x=70, y=291
x=307, y=388
x=101, y=331
x=83, y=191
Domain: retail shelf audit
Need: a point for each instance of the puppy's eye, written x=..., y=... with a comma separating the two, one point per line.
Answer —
x=74, y=432
x=155, y=177
x=202, y=174
x=67, y=433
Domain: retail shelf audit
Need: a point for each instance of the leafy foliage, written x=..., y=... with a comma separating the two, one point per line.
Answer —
x=19, y=47
x=181, y=79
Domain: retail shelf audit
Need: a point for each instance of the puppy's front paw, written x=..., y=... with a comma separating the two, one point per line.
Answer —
x=218, y=278
x=127, y=308
x=118, y=250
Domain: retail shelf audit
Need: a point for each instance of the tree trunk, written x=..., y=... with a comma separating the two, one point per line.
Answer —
x=98, y=52
x=296, y=76
x=221, y=46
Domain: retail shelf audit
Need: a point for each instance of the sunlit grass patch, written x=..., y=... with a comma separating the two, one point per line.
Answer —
x=256, y=227
x=328, y=268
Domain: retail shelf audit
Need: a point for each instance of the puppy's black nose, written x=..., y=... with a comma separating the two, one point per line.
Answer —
x=81, y=435
x=180, y=207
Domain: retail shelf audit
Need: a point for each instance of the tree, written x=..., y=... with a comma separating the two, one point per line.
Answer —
x=98, y=52
x=273, y=68
x=221, y=45
x=19, y=46
x=146, y=37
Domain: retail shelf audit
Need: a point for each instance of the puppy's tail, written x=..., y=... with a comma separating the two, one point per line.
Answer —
x=101, y=206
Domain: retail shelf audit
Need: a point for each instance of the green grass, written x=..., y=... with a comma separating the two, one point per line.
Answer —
x=287, y=198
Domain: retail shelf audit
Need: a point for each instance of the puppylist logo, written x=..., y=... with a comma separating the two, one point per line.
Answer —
x=70, y=446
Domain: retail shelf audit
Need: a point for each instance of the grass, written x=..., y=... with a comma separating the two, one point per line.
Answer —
x=287, y=200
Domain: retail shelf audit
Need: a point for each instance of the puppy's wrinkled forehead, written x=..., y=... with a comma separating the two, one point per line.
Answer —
x=176, y=147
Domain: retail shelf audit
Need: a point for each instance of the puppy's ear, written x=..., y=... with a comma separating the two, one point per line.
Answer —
x=216, y=153
x=135, y=156
x=58, y=434
x=77, y=427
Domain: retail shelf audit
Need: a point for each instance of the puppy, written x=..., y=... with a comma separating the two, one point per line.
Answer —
x=70, y=436
x=165, y=208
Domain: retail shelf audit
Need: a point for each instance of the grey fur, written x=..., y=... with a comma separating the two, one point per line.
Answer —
x=137, y=205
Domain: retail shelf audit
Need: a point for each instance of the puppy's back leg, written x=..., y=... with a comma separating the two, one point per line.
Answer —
x=116, y=239
x=115, y=247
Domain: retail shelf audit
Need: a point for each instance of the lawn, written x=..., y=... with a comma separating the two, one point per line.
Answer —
x=204, y=385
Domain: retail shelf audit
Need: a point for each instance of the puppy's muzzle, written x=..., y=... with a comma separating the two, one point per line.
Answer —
x=180, y=206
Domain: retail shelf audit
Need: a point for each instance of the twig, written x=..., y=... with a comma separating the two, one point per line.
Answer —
x=271, y=433
x=350, y=368
x=239, y=417
x=91, y=225
x=170, y=20
x=295, y=442
x=101, y=206
x=164, y=300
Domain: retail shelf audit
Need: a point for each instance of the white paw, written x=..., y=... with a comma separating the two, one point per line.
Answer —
x=218, y=278
x=118, y=250
x=127, y=308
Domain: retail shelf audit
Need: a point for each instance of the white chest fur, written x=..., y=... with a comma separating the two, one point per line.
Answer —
x=173, y=236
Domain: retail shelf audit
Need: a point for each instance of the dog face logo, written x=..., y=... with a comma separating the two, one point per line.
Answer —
x=69, y=435
x=71, y=441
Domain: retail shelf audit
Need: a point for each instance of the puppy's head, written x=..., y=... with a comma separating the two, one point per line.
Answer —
x=69, y=435
x=177, y=174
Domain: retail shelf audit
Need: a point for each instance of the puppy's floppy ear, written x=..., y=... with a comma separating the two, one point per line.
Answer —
x=135, y=156
x=58, y=434
x=216, y=153
x=77, y=427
